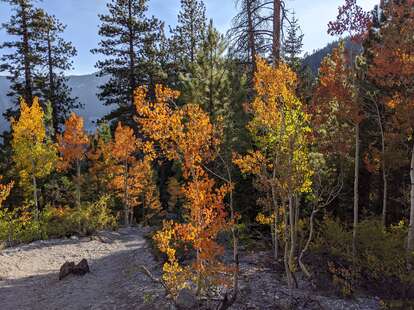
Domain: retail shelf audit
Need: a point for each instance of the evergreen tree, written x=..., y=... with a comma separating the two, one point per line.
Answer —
x=56, y=56
x=22, y=62
x=130, y=44
x=188, y=35
x=207, y=83
x=293, y=44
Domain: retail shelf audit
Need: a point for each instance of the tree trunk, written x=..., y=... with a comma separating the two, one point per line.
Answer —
x=356, y=194
x=251, y=40
x=126, y=204
x=410, y=242
x=78, y=183
x=276, y=222
x=276, y=31
x=132, y=80
x=292, y=217
x=289, y=276
x=26, y=51
x=52, y=87
x=35, y=198
x=306, y=247
x=384, y=168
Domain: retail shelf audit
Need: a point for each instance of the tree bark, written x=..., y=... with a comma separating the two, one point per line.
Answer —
x=410, y=242
x=276, y=31
x=26, y=54
x=384, y=168
x=126, y=204
x=132, y=80
x=78, y=182
x=52, y=87
x=289, y=276
x=251, y=39
x=35, y=198
x=306, y=247
x=276, y=222
x=356, y=193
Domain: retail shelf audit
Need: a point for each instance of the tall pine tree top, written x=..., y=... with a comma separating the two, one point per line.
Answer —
x=24, y=56
x=189, y=32
x=293, y=44
x=130, y=46
x=57, y=58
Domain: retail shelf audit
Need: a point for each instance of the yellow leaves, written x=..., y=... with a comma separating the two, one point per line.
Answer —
x=265, y=220
x=33, y=154
x=5, y=190
x=281, y=133
x=73, y=143
x=184, y=134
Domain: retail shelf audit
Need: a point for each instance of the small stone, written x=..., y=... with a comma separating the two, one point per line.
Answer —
x=66, y=269
x=82, y=268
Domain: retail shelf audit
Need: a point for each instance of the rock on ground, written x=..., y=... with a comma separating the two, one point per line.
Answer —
x=29, y=274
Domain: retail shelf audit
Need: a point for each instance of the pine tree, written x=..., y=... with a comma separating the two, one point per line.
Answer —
x=293, y=44
x=130, y=47
x=21, y=64
x=189, y=34
x=207, y=83
x=56, y=56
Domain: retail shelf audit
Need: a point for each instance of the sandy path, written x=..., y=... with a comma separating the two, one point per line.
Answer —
x=30, y=274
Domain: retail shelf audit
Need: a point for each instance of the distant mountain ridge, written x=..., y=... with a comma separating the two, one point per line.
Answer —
x=314, y=60
x=85, y=87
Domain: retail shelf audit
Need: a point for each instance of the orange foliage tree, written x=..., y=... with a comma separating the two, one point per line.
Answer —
x=72, y=146
x=186, y=135
x=337, y=113
x=393, y=69
x=131, y=178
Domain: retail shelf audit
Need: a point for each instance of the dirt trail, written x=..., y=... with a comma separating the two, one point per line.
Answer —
x=29, y=274
x=29, y=278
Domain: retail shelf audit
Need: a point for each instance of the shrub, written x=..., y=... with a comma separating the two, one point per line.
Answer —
x=380, y=266
x=19, y=226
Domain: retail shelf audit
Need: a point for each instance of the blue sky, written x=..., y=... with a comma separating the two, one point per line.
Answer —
x=82, y=21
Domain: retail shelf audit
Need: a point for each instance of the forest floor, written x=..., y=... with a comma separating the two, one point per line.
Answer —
x=29, y=278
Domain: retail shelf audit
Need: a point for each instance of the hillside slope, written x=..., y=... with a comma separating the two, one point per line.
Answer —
x=85, y=87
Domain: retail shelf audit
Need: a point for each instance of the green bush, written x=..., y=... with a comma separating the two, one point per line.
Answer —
x=19, y=225
x=380, y=266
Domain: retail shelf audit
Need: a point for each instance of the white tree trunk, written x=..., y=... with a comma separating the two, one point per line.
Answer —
x=410, y=242
x=356, y=194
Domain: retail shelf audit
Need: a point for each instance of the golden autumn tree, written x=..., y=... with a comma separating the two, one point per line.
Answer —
x=280, y=158
x=392, y=69
x=130, y=176
x=186, y=135
x=35, y=155
x=72, y=146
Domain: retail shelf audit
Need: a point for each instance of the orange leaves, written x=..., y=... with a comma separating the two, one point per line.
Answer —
x=73, y=143
x=186, y=135
x=335, y=110
x=125, y=144
x=393, y=63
